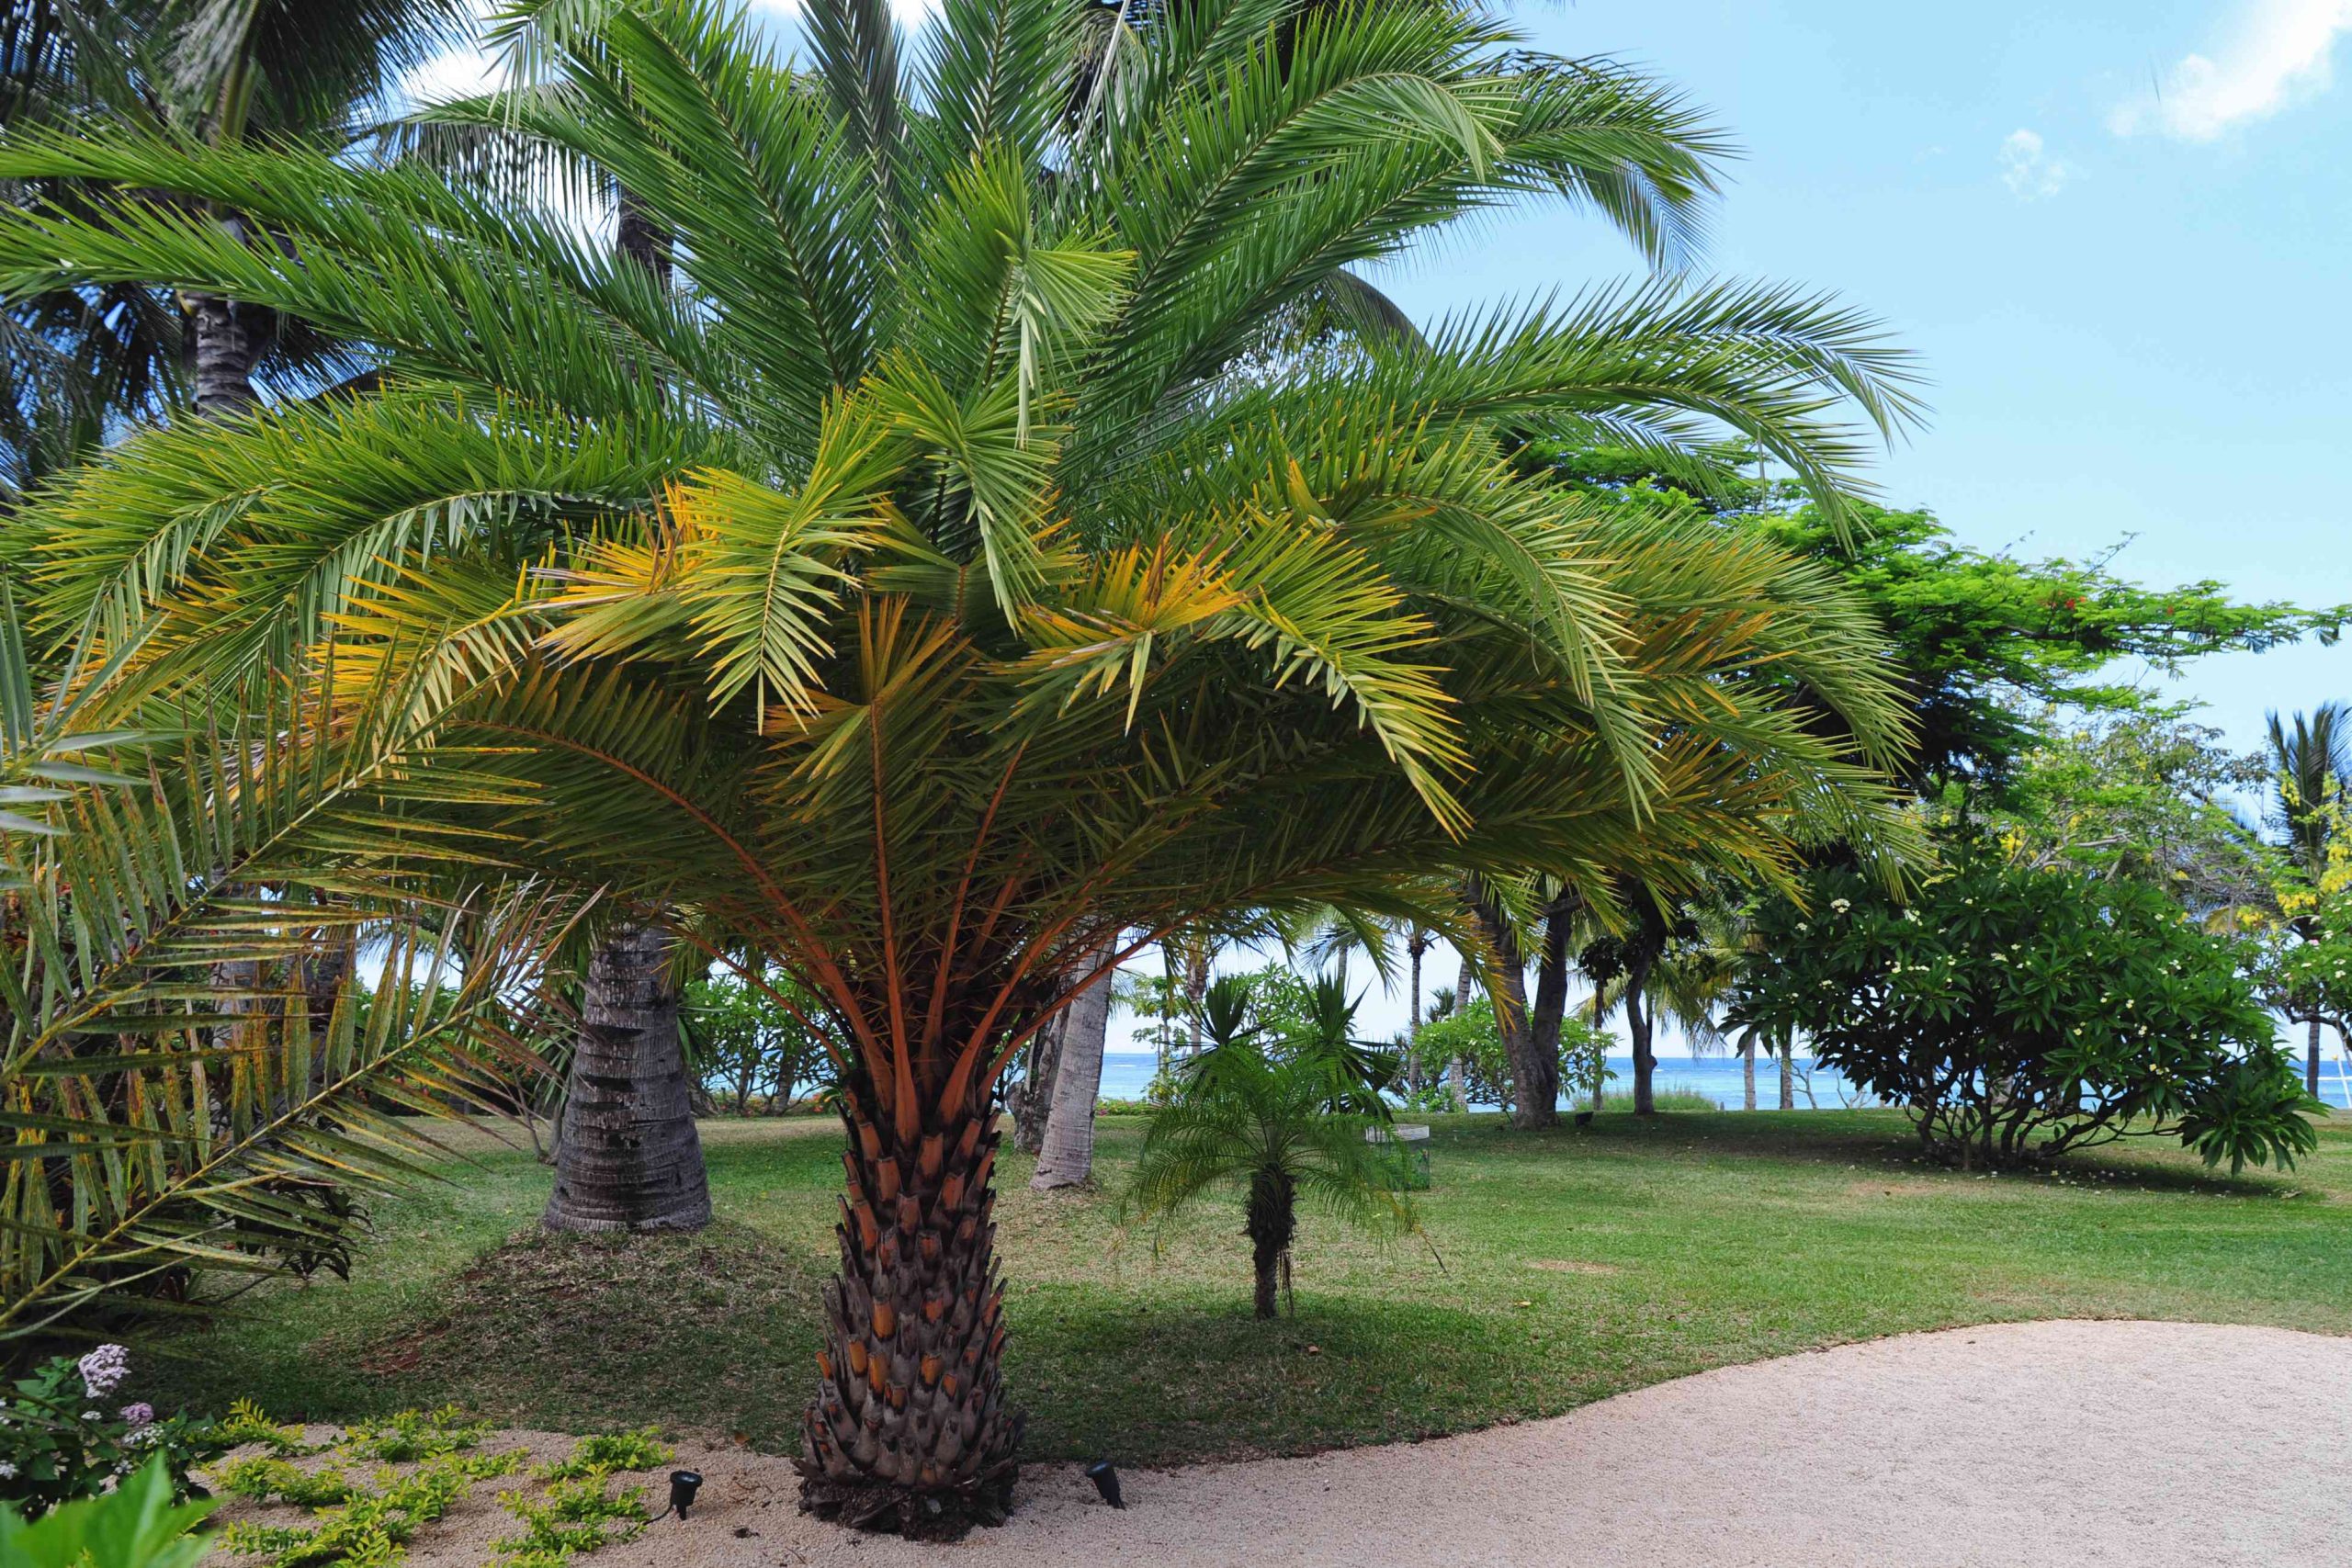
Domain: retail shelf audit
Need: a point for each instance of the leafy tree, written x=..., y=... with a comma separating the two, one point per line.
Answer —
x=746, y=1039
x=1282, y=1122
x=1471, y=1037
x=2019, y=1014
x=2142, y=795
x=1988, y=644
x=959, y=567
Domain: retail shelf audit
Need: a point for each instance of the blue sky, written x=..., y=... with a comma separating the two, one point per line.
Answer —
x=2116, y=239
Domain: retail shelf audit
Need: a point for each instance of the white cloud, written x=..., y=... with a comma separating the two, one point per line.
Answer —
x=2277, y=54
x=2027, y=169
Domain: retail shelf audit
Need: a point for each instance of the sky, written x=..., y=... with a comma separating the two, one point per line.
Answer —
x=2114, y=232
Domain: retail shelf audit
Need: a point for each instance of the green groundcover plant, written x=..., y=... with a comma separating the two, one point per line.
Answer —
x=2019, y=1013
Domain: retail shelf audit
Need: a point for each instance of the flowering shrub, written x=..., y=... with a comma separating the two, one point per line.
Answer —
x=62, y=1437
x=2018, y=1013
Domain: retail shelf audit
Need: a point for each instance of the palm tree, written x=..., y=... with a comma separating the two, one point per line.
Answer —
x=2312, y=765
x=960, y=566
x=1281, y=1125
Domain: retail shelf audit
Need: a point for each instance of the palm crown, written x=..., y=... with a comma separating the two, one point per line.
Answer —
x=1004, y=524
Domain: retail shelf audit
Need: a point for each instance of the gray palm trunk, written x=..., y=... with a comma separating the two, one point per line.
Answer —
x=1453, y=1074
x=1788, y=1076
x=225, y=348
x=2311, y=1060
x=630, y=1158
x=1747, y=1073
x=1065, y=1157
x=1640, y=1019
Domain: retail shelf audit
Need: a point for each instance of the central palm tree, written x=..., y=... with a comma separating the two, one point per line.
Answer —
x=1006, y=536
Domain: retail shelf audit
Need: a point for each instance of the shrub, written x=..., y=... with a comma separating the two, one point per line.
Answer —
x=2021, y=1013
x=1472, y=1036
x=63, y=1436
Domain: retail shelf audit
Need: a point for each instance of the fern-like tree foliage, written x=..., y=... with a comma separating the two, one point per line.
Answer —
x=176, y=1092
x=1283, y=1122
x=1002, y=525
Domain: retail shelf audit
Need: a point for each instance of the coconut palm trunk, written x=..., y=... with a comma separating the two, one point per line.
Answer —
x=1066, y=1156
x=630, y=1158
x=1639, y=1019
x=1549, y=1009
x=910, y=1429
x=2311, y=1061
x=1747, y=1073
x=1788, y=1076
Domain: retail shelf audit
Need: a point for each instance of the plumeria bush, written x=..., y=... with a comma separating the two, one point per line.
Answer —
x=64, y=1434
x=2021, y=1013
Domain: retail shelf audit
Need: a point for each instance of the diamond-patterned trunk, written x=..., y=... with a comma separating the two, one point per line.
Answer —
x=909, y=1430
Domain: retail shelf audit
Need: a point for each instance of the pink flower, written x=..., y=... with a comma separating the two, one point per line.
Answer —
x=138, y=1415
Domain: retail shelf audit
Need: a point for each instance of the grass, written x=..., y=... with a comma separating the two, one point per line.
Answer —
x=1560, y=1267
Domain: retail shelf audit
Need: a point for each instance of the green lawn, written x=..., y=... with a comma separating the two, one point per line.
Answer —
x=1561, y=1268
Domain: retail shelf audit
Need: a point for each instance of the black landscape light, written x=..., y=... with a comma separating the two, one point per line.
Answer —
x=1107, y=1482
x=684, y=1484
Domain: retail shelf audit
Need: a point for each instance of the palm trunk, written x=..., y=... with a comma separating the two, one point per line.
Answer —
x=1599, y=1011
x=1747, y=1073
x=224, y=348
x=1551, y=1007
x=1453, y=1074
x=1033, y=1102
x=2311, y=1060
x=1415, y=945
x=1273, y=1219
x=1788, y=1075
x=1637, y=1024
x=630, y=1159
x=909, y=1430
x=1066, y=1159
x=1535, y=1080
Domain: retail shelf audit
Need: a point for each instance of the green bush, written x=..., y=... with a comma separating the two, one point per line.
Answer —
x=1472, y=1036
x=2019, y=1013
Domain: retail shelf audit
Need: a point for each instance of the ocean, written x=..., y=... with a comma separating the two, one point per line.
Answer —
x=1127, y=1074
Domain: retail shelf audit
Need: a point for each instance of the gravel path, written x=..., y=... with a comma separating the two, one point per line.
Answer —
x=2148, y=1444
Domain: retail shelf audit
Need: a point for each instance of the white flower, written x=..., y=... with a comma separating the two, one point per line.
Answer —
x=6, y=1470
x=90, y=1415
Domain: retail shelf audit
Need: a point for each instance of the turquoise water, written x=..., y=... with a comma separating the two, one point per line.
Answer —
x=1126, y=1074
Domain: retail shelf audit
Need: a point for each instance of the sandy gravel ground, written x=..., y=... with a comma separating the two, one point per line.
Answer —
x=2148, y=1444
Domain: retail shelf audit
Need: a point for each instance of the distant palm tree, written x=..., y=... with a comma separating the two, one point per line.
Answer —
x=1282, y=1122
x=2313, y=768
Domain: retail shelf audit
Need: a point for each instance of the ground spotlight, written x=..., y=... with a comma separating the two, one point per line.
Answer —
x=1107, y=1482
x=684, y=1484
